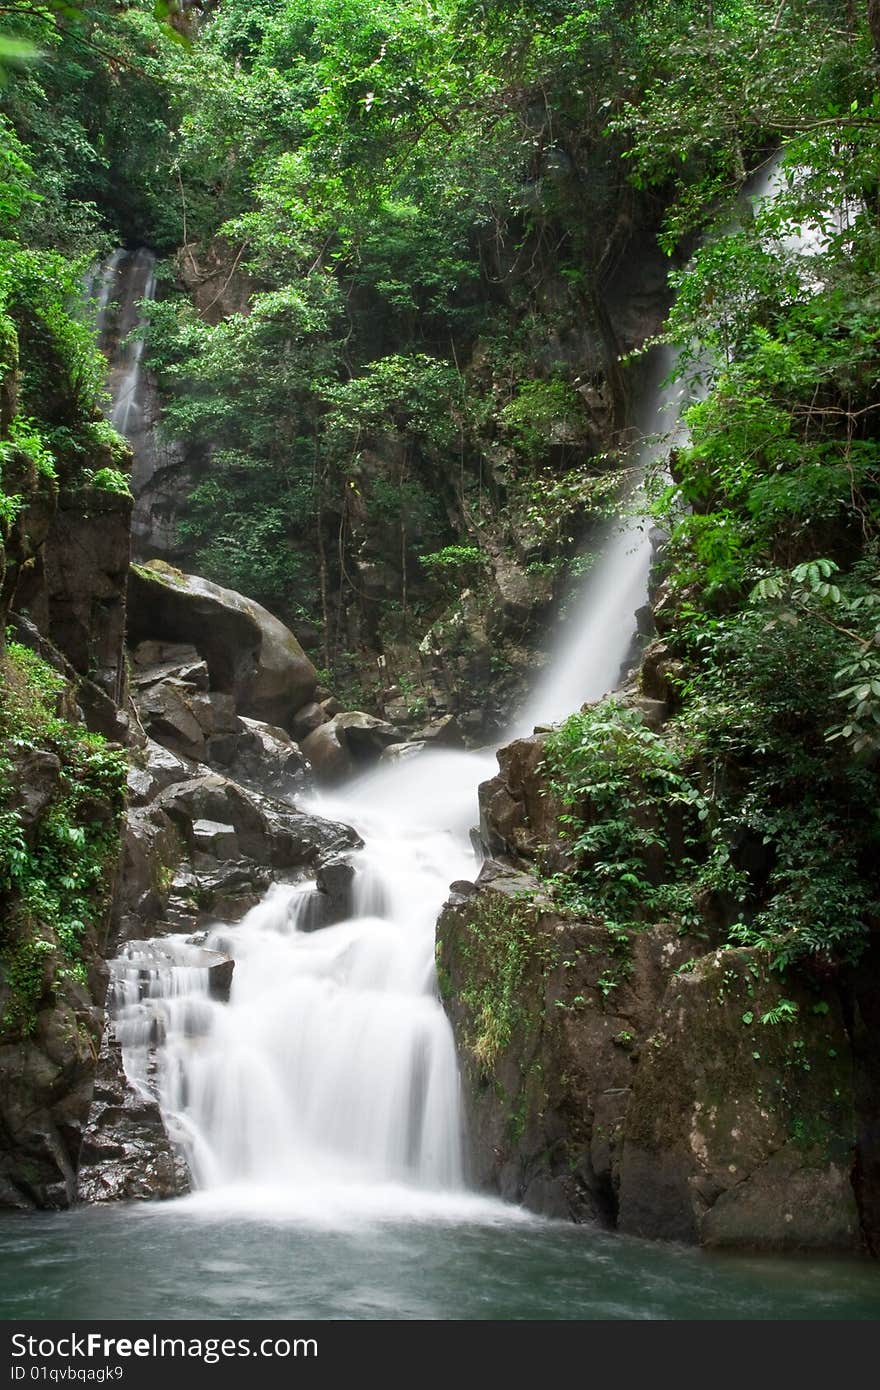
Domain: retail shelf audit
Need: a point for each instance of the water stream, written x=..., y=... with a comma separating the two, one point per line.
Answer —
x=319, y=1107
x=330, y=1076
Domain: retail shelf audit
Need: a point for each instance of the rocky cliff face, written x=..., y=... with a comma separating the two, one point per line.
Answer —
x=648, y=1079
x=89, y=863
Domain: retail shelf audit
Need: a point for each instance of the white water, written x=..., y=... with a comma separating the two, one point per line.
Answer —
x=329, y=1082
x=327, y=1087
x=594, y=641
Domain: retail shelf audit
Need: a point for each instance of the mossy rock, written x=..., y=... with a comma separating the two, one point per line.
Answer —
x=741, y=1130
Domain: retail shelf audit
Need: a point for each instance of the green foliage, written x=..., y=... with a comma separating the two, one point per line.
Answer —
x=109, y=480
x=502, y=945
x=55, y=874
x=620, y=786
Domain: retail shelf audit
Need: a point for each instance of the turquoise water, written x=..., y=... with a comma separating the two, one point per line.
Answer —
x=188, y=1260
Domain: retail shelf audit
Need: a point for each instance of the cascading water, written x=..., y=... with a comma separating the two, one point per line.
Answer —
x=331, y=1073
x=597, y=635
x=330, y=1076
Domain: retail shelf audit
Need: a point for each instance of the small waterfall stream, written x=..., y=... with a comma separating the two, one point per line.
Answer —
x=331, y=1075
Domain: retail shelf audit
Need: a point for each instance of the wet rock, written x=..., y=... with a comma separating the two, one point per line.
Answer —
x=126, y=1153
x=166, y=767
x=363, y=735
x=330, y=758
x=46, y=1083
x=398, y=752
x=152, y=849
x=741, y=1131
x=267, y=831
x=267, y=760
x=307, y=720
x=212, y=837
x=249, y=652
x=335, y=881
x=549, y=1014
x=167, y=714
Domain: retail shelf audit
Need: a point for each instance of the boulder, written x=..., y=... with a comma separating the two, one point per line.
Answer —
x=330, y=758
x=126, y=1153
x=742, y=1129
x=249, y=652
x=308, y=719
x=364, y=735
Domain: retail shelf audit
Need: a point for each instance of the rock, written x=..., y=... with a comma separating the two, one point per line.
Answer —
x=548, y=1014
x=446, y=732
x=519, y=594
x=267, y=831
x=742, y=1132
x=212, y=837
x=335, y=880
x=46, y=1084
x=141, y=786
x=167, y=714
x=330, y=758
x=85, y=568
x=37, y=774
x=396, y=709
x=126, y=1153
x=220, y=973
x=398, y=752
x=659, y=673
x=250, y=654
x=307, y=720
x=224, y=717
x=165, y=767
x=152, y=849
x=147, y=654
x=192, y=672
x=519, y=816
x=331, y=706
x=363, y=735
x=267, y=760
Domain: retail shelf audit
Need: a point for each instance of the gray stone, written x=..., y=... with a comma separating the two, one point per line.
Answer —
x=213, y=837
x=249, y=652
x=308, y=719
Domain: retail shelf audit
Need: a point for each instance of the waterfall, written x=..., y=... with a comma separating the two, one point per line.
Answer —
x=596, y=638
x=332, y=1068
x=116, y=290
x=330, y=1076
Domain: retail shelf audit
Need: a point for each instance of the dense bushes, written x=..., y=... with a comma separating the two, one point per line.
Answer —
x=59, y=835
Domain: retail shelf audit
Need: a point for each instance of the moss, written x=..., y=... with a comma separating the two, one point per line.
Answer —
x=501, y=948
x=159, y=572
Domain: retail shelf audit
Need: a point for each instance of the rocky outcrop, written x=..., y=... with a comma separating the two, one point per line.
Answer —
x=76, y=592
x=249, y=653
x=741, y=1129
x=46, y=1081
x=549, y=1014
x=609, y=1077
x=126, y=1154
